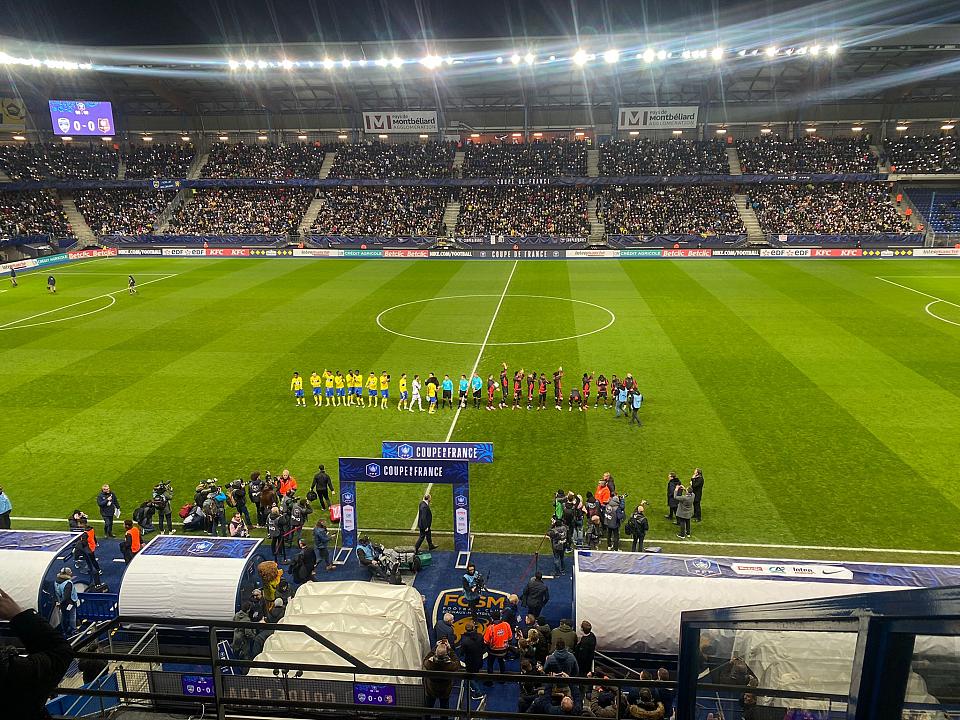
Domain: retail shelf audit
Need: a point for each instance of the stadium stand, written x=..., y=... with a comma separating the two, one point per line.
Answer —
x=39, y=162
x=670, y=157
x=386, y=211
x=773, y=154
x=384, y=160
x=520, y=211
x=702, y=210
x=833, y=209
x=535, y=159
x=922, y=154
x=160, y=160
x=121, y=211
x=231, y=211
x=264, y=160
x=35, y=212
x=940, y=207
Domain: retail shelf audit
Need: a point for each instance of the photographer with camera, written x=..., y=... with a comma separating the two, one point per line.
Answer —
x=437, y=690
x=613, y=514
x=558, y=542
x=163, y=504
x=472, y=589
x=237, y=498
x=255, y=488
x=637, y=527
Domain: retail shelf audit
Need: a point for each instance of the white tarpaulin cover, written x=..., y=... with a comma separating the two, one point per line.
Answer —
x=178, y=576
x=26, y=557
x=649, y=591
x=349, y=615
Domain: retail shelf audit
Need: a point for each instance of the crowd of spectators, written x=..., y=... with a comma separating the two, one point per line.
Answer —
x=121, y=211
x=534, y=159
x=63, y=160
x=773, y=154
x=669, y=210
x=36, y=212
x=360, y=211
x=160, y=160
x=834, y=209
x=234, y=211
x=264, y=160
x=385, y=160
x=523, y=210
x=922, y=154
x=659, y=157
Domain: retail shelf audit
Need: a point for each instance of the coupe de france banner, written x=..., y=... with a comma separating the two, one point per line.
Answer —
x=653, y=118
x=400, y=121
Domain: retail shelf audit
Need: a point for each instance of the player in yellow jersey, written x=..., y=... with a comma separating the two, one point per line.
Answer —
x=296, y=384
x=315, y=382
x=432, y=397
x=339, y=385
x=328, y=386
x=372, y=390
x=402, y=403
x=357, y=388
x=384, y=389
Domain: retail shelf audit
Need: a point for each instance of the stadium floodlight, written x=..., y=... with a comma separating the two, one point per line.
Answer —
x=810, y=129
x=649, y=55
x=685, y=54
x=431, y=62
x=147, y=138
x=474, y=135
x=717, y=53
x=424, y=137
x=286, y=64
x=552, y=58
x=516, y=134
x=766, y=130
x=856, y=128
x=381, y=62
x=67, y=138
x=346, y=63
x=538, y=134
x=677, y=132
x=788, y=51
x=579, y=133
x=396, y=61
x=832, y=49
x=499, y=59
x=341, y=137
x=261, y=64
x=382, y=137
x=234, y=65
x=249, y=64
x=262, y=137
x=947, y=126
x=185, y=138
x=902, y=128
x=721, y=131
x=580, y=57
x=105, y=138
x=611, y=56
x=529, y=58
x=634, y=132
x=328, y=63
x=223, y=138
x=515, y=59
x=362, y=62
x=662, y=54
x=301, y=137
x=86, y=66
x=21, y=137
x=814, y=50
x=771, y=51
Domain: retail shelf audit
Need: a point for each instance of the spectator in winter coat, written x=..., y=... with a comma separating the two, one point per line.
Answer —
x=543, y=646
x=443, y=630
x=612, y=518
x=108, y=503
x=437, y=689
x=638, y=526
x=243, y=637
x=696, y=488
x=558, y=543
x=305, y=562
x=535, y=595
x=586, y=647
x=672, y=482
x=594, y=533
x=321, y=541
x=472, y=650
x=646, y=707
x=563, y=633
x=684, y=510
x=561, y=660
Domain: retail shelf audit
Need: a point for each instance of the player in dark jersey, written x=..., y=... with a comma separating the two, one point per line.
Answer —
x=601, y=391
x=491, y=391
x=575, y=399
x=558, y=387
x=518, y=388
x=629, y=382
x=531, y=384
x=542, y=391
x=504, y=386
x=587, y=379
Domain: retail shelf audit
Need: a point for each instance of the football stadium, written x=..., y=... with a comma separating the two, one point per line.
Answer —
x=411, y=358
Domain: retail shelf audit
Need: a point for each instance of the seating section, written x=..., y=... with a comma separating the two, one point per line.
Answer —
x=57, y=161
x=670, y=157
x=940, y=207
x=669, y=210
x=383, y=160
x=159, y=160
x=772, y=154
x=37, y=212
x=535, y=159
x=232, y=211
x=523, y=210
x=922, y=154
x=121, y=211
x=833, y=209
x=264, y=160
x=381, y=211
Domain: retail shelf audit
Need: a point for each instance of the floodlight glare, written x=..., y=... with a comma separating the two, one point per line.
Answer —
x=814, y=50
x=249, y=64
x=362, y=62
x=382, y=62
x=328, y=63
x=261, y=64
x=856, y=128
x=431, y=62
x=529, y=58
x=286, y=64
x=552, y=58
x=771, y=51
x=515, y=59
x=685, y=54
x=902, y=128
x=717, y=53
x=234, y=65
x=662, y=55
x=611, y=56
x=396, y=62
x=22, y=137
x=766, y=131
x=721, y=131
x=648, y=55
x=301, y=137
x=499, y=59
x=810, y=129
x=185, y=138
x=580, y=57
x=345, y=62
x=947, y=126
x=262, y=137
x=223, y=138
x=832, y=49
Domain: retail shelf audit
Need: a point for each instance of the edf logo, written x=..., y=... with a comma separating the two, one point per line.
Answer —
x=405, y=451
x=373, y=470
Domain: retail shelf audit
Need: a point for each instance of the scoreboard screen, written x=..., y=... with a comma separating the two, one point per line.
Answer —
x=81, y=117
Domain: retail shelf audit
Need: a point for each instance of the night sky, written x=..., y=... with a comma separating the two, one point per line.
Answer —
x=168, y=22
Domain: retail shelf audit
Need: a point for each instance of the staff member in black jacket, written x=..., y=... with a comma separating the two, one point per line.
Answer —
x=696, y=487
x=26, y=681
x=535, y=595
x=424, y=521
x=322, y=486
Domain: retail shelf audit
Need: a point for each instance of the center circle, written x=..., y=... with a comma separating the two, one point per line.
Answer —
x=610, y=319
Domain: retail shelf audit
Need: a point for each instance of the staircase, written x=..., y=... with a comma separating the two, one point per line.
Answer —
x=197, y=166
x=593, y=162
x=755, y=235
x=598, y=231
x=875, y=151
x=451, y=213
x=121, y=168
x=328, y=160
x=163, y=219
x=313, y=209
x=733, y=158
x=81, y=231
x=458, y=163
x=4, y=177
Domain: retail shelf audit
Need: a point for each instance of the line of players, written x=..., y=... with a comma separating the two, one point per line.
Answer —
x=334, y=389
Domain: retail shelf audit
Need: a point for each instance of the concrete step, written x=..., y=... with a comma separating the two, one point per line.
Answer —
x=197, y=167
x=121, y=169
x=182, y=197
x=733, y=158
x=328, y=160
x=598, y=231
x=458, y=160
x=81, y=230
x=4, y=177
x=755, y=233
x=451, y=214
x=593, y=162
x=313, y=209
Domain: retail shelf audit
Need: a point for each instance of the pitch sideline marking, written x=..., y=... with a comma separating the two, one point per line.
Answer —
x=613, y=319
x=528, y=536
x=476, y=364
x=15, y=324
x=934, y=298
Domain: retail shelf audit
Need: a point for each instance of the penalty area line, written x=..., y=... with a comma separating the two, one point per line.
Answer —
x=476, y=364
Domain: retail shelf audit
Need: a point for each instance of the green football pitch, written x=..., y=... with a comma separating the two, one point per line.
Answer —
x=821, y=398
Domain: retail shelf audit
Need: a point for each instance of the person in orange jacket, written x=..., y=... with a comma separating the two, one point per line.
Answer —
x=602, y=494
x=287, y=482
x=130, y=545
x=497, y=637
